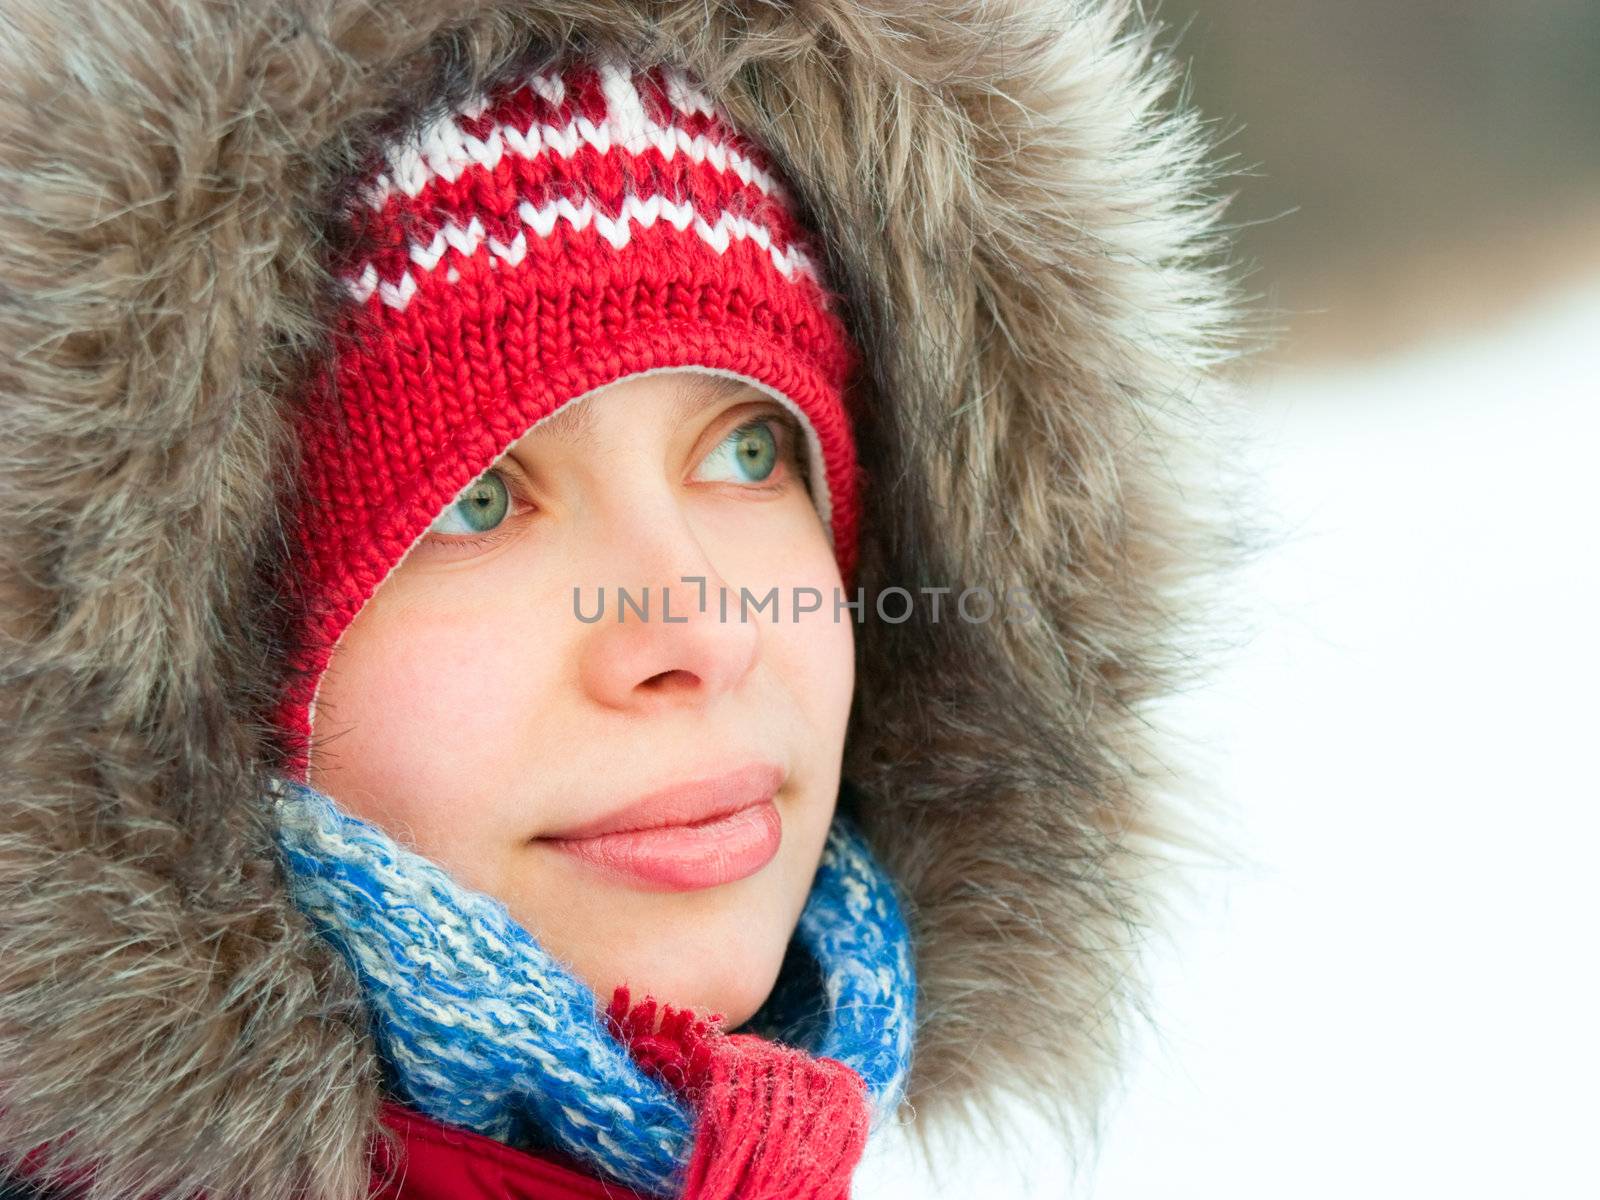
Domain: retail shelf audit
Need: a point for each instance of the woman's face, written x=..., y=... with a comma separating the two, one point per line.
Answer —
x=472, y=714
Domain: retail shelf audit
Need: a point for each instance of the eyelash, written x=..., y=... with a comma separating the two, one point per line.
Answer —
x=793, y=439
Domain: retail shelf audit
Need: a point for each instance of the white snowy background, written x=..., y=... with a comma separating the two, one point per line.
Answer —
x=1399, y=994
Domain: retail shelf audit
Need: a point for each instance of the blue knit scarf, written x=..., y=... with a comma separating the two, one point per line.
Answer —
x=477, y=1026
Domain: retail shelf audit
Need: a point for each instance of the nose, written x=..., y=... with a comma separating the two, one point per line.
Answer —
x=670, y=645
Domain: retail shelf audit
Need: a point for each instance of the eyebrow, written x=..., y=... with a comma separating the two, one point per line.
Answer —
x=694, y=391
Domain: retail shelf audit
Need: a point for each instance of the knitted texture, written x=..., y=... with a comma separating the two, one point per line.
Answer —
x=478, y=1026
x=567, y=229
x=773, y=1122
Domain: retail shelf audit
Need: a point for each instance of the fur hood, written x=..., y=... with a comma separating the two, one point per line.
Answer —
x=1015, y=211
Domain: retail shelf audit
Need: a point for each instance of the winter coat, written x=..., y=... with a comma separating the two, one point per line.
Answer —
x=1016, y=208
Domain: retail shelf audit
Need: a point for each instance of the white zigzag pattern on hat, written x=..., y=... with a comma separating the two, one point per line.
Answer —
x=644, y=211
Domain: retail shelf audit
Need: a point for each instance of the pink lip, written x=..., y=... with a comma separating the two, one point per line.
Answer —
x=690, y=835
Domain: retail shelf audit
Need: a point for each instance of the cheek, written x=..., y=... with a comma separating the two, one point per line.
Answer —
x=815, y=656
x=422, y=710
x=811, y=652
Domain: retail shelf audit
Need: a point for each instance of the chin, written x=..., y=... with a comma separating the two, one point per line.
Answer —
x=726, y=967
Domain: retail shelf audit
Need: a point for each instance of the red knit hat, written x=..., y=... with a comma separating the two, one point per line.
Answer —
x=570, y=228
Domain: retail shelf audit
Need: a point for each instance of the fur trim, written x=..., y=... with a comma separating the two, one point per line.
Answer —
x=1016, y=219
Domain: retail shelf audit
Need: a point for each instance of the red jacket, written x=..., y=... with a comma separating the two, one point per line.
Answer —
x=438, y=1162
x=443, y=1162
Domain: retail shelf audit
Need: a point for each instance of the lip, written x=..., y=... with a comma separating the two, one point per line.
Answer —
x=690, y=835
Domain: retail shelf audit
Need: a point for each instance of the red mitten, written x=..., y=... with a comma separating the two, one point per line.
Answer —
x=774, y=1123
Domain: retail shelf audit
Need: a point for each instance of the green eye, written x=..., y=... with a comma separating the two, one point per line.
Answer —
x=747, y=455
x=481, y=506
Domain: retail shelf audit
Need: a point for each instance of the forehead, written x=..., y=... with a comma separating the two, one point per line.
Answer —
x=687, y=391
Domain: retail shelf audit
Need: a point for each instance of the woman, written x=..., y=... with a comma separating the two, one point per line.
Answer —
x=320, y=769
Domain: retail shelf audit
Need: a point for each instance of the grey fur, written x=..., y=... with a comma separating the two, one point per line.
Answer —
x=1019, y=222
